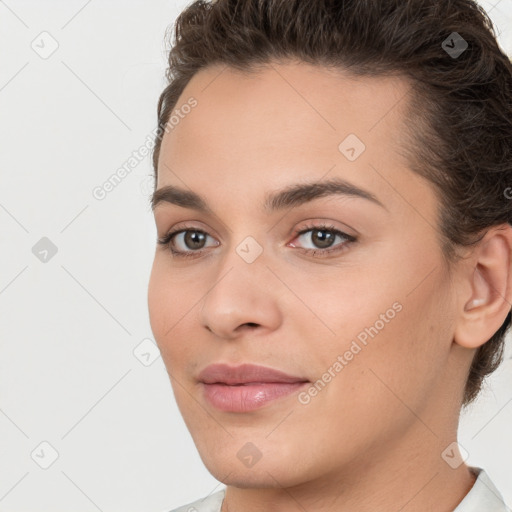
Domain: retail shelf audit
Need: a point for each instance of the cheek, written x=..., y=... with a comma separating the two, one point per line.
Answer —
x=173, y=304
x=395, y=349
x=157, y=301
x=167, y=304
x=353, y=305
x=390, y=324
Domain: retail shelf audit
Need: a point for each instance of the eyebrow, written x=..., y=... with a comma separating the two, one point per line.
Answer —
x=292, y=195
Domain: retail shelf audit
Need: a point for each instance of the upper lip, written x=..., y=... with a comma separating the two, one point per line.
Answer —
x=244, y=374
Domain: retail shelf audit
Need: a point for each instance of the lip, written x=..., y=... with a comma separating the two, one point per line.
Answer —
x=246, y=387
x=245, y=373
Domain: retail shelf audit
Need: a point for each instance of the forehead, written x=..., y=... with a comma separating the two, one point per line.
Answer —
x=281, y=120
x=282, y=104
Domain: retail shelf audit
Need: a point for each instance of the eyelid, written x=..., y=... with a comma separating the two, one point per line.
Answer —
x=185, y=226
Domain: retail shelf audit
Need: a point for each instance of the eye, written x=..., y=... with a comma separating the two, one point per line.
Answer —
x=189, y=238
x=323, y=237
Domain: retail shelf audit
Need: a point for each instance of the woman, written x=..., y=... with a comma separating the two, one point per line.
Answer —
x=332, y=280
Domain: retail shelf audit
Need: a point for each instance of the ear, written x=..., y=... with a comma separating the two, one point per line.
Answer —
x=487, y=284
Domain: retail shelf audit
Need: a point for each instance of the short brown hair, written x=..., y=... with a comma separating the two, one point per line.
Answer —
x=459, y=122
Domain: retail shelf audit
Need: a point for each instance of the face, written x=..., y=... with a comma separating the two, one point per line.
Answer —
x=346, y=289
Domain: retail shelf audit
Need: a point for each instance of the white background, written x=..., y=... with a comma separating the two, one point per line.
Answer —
x=68, y=373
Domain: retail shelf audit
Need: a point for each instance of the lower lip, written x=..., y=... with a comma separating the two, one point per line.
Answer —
x=247, y=397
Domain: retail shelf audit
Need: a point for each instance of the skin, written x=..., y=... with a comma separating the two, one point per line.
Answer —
x=373, y=437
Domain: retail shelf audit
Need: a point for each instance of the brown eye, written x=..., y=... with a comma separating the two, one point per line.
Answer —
x=323, y=239
x=185, y=242
x=194, y=239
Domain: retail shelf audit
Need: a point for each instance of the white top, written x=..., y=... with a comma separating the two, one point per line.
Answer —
x=482, y=497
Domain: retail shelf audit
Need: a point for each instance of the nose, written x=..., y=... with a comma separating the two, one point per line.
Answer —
x=244, y=296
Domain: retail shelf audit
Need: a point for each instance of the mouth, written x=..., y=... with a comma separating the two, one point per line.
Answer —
x=246, y=387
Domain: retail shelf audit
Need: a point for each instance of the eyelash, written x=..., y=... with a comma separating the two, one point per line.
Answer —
x=349, y=239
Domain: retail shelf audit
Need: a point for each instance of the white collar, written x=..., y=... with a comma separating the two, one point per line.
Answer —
x=483, y=496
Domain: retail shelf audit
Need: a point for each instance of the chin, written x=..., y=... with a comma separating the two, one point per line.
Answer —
x=251, y=478
x=241, y=464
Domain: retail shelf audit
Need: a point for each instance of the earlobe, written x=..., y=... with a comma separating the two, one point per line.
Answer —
x=486, y=305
